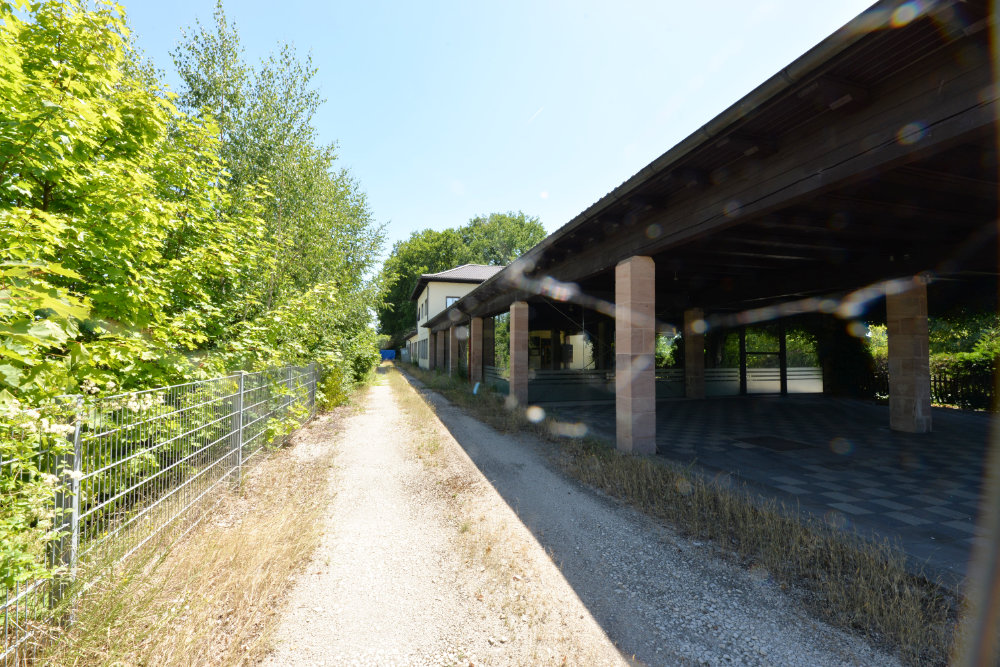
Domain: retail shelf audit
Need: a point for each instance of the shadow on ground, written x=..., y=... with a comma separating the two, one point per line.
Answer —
x=641, y=583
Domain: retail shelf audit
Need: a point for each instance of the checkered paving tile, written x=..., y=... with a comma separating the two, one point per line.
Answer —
x=919, y=489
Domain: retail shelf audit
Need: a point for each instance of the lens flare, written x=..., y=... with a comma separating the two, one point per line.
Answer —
x=911, y=133
x=535, y=414
x=841, y=446
x=906, y=13
x=857, y=329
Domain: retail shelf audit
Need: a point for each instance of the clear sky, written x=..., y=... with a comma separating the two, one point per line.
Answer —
x=445, y=110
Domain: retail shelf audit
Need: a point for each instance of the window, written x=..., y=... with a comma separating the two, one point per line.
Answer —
x=448, y=300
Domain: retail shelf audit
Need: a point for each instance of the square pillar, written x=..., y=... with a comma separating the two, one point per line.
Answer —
x=783, y=357
x=603, y=355
x=694, y=353
x=440, y=336
x=431, y=352
x=555, y=347
x=743, y=361
x=909, y=360
x=519, y=352
x=476, y=350
x=635, y=355
x=489, y=342
x=453, y=350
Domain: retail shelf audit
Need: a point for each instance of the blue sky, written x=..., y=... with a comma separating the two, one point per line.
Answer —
x=446, y=110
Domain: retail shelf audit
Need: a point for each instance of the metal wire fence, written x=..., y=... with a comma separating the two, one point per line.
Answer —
x=133, y=466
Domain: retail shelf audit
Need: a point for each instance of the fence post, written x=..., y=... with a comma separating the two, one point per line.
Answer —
x=291, y=393
x=238, y=416
x=313, y=382
x=67, y=501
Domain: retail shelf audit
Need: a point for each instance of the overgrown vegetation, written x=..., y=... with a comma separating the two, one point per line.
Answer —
x=855, y=583
x=213, y=597
x=964, y=346
x=152, y=239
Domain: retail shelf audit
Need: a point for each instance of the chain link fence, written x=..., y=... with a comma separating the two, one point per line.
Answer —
x=135, y=464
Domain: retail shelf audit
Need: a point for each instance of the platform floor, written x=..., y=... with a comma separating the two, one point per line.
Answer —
x=837, y=459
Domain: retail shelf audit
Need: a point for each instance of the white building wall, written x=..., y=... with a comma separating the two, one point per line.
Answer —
x=431, y=302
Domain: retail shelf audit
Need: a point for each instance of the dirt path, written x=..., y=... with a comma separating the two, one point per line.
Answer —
x=398, y=580
x=433, y=557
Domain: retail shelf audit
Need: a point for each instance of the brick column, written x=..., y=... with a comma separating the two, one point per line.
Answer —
x=909, y=360
x=519, y=351
x=555, y=345
x=476, y=350
x=431, y=351
x=453, y=350
x=694, y=354
x=440, y=365
x=603, y=347
x=635, y=349
x=489, y=342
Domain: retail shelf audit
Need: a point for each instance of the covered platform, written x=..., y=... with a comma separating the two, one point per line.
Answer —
x=859, y=184
x=836, y=459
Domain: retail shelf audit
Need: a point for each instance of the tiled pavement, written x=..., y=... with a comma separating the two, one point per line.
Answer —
x=836, y=458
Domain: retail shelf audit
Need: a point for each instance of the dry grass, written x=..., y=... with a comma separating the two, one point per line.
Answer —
x=507, y=580
x=852, y=582
x=213, y=598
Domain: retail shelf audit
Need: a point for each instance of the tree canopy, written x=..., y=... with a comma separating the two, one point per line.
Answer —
x=151, y=238
x=496, y=239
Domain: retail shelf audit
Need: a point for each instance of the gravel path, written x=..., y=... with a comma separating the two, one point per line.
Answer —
x=398, y=580
x=448, y=543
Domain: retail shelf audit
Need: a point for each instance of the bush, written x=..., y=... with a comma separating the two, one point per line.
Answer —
x=965, y=379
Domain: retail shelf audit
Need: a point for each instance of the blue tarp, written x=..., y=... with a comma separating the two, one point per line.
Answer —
x=388, y=354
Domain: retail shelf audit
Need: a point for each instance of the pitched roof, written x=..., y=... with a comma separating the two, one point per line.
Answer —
x=476, y=272
x=467, y=273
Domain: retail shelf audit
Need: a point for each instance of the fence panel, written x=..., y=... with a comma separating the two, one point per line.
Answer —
x=966, y=391
x=129, y=466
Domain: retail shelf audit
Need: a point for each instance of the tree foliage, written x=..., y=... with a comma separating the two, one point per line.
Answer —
x=496, y=239
x=146, y=243
x=315, y=214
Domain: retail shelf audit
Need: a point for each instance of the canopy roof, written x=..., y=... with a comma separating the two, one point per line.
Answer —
x=872, y=156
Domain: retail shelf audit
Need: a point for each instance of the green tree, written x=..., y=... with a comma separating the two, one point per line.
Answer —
x=113, y=239
x=317, y=217
x=496, y=239
x=500, y=238
x=131, y=257
x=426, y=251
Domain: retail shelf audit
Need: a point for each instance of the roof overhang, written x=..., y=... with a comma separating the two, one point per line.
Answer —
x=871, y=156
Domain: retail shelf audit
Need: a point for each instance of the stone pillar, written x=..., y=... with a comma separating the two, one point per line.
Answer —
x=694, y=353
x=431, y=351
x=783, y=357
x=489, y=342
x=453, y=350
x=476, y=350
x=519, y=351
x=555, y=345
x=743, y=361
x=440, y=365
x=635, y=355
x=603, y=346
x=909, y=360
